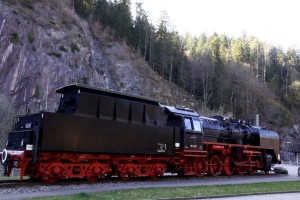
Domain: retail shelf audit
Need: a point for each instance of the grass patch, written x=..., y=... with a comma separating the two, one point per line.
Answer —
x=5, y=178
x=186, y=192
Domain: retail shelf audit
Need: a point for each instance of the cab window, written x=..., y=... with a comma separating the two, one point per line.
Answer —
x=187, y=124
x=197, y=125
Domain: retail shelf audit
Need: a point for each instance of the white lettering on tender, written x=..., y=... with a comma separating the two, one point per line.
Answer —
x=28, y=125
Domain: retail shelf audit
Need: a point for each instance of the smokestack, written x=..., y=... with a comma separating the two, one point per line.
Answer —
x=257, y=120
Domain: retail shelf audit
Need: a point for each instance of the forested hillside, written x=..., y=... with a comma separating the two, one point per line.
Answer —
x=237, y=76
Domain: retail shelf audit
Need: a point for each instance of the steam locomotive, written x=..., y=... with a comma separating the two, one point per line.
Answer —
x=98, y=133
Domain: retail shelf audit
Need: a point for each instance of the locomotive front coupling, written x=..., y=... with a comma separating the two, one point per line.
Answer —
x=10, y=159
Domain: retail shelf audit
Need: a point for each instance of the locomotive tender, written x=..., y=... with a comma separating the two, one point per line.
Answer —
x=99, y=133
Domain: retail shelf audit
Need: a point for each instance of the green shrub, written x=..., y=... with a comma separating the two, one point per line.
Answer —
x=37, y=92
x=27, y=4
x=55, y=54
x=30, y=37
x=74, y=48
x=84, y=80
x=62, y=48
x=14, y=38
x=52, y=22
x=67, y=24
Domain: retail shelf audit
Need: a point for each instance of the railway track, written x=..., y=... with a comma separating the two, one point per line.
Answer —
x=33, y=183
x=115, y=180
x=15, y=183
x=14, y=189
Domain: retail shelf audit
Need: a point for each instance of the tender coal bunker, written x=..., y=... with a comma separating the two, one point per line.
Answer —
x=87, y=105
x=69, y=102
x=106, y=107
x=137, y=112
x=122, y=110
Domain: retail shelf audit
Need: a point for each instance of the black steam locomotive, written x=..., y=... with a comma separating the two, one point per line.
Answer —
x=98, y=133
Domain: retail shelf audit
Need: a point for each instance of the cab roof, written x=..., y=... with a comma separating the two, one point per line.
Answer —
x=181, y=111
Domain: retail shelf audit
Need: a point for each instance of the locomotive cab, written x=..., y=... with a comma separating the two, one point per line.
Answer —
x=188, y=131
x=192, y=133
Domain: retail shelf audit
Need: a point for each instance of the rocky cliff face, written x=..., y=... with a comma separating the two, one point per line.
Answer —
x=45, y=45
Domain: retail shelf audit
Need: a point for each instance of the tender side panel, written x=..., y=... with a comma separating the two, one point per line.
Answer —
x=83, y=134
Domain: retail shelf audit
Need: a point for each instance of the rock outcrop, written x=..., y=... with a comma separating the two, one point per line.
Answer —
x=45, y=45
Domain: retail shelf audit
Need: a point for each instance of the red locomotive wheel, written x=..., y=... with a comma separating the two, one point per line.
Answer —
x=229, y=166
x=124, y=177
x=201, y=167
x=215, y=167
x=153, y=176
x=253, y=167
x=91, y=178
x=52, y=174
x=241, y=169
x=51, y=179
x=251, y=170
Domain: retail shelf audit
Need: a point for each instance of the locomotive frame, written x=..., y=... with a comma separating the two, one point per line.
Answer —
x=99, y=133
